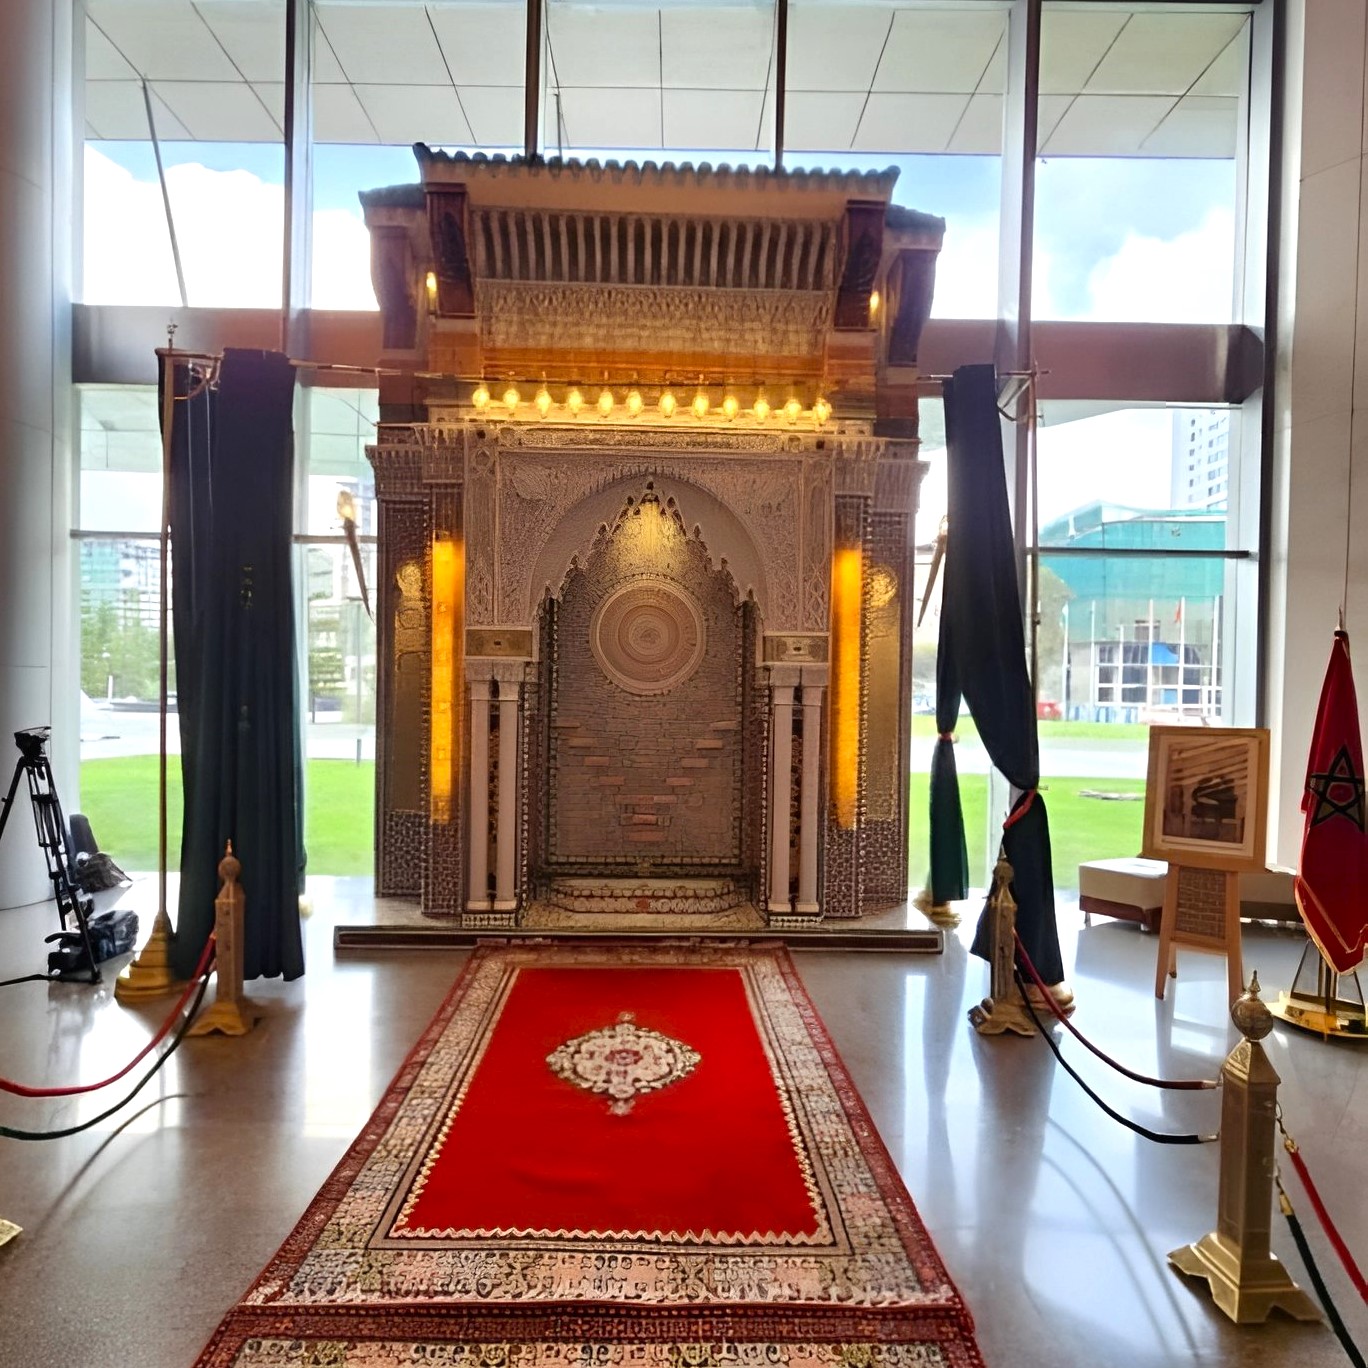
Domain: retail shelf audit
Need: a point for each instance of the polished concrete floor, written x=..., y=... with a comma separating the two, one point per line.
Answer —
x=1055, y=1221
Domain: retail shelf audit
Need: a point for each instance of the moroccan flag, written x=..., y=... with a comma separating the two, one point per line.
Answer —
x=1331, y=890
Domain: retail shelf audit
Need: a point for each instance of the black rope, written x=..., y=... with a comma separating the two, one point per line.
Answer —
x=30, y=978
x=9, y=1133
x=1331, y=1314
x=1158, y=1137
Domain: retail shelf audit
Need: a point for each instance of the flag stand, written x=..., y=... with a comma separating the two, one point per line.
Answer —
x=1322, y=1010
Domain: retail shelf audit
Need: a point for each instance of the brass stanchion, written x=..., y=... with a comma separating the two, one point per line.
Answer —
x=231, y=1013
x=1003, y=1010
x=1246, y=1279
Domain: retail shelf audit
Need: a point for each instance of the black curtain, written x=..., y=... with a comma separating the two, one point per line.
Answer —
x=232, y=490
x=982, y=653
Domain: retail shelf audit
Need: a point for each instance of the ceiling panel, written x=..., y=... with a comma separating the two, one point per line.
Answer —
x=822, y=120
x=115, y=109
x=608, y=120
x=1072, y=43
x=939, y=50
x=1227, y=74
x=384, y=44
x=716, y=49
x=576, y=36
x=272, y=95
x=165, y=40
x=483, y=44
x=219, y=111
x=338, y=116
x=413, y=113
x=1197, y=126
x=835, y=48
x=253, y=34
x=980, y=130
x=495, y=115
x=327, y=70
x=994, y=80
x=909, y=123
x=1163, y=54
x=1050, y=110
x=103, y=61
x=712, y=120
x=1107, y=125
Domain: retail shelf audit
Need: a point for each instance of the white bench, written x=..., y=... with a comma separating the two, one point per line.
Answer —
x=1131, y=888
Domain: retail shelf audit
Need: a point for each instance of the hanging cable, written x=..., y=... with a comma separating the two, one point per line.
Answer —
x=1158, y=1137
x=1177, y=1084
x=1327, y=1305
x=10, y=1133
x=201, y=971
x=1331, y=1231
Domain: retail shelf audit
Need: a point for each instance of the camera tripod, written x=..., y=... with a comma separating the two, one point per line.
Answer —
x=48, y=819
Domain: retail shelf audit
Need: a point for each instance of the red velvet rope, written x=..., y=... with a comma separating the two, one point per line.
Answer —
x=1331, y=1233
x=201, y=970
x=1178, y=1084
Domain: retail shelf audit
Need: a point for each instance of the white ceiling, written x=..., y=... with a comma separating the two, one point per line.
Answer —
x=686, y=77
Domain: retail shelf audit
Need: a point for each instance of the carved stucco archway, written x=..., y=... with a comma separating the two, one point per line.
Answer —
x=703, y=517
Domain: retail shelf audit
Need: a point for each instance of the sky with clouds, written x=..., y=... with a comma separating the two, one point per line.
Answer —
x=1143, y=240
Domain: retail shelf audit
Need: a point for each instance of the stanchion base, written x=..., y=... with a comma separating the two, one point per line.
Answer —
x=1342, y=1024
x=228, y=1018
x=1247, y=1290
x=8, y=1230
x=991, y=1017
x=141, y=981
x=149, y=975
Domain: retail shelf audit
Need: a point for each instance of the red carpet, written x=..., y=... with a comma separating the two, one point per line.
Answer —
x=610, y=1155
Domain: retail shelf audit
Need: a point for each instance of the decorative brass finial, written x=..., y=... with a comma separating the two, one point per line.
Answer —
x=1250, y=1013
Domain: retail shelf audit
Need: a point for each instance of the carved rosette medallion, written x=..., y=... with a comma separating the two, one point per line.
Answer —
x=622, y=1061
x=648, y=636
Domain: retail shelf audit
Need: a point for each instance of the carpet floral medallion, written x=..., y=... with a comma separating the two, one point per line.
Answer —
x=611, y=1154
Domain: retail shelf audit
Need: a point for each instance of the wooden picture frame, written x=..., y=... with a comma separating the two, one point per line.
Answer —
x=1206, y=797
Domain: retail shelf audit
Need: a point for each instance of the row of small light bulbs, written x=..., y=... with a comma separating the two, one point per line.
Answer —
x=700, y=406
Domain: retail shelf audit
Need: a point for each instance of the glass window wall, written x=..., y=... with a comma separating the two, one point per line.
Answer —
x=1140, y=136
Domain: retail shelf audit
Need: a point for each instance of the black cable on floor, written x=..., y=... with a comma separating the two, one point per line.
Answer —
x=8, y=1132
x=1312, y=1272
x=1158, y=1137
x=30, y=978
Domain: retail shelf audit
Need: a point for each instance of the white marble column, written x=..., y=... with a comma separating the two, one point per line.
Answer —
x=814, y=687
x=478, y=864
x=506, y=843
x=39, y=663
x=782, y=682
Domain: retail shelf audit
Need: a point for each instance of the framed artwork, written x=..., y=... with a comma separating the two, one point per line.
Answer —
x=1206, y=797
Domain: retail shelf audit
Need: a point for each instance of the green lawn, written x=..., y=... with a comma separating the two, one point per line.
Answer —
x=1080, y=828
x=120, y=799
x=925, y=726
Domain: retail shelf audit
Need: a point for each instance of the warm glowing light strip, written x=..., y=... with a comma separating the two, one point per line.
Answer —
x=847, y=577
x=447, y=557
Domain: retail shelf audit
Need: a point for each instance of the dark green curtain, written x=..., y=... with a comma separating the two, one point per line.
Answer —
x=949, y=858
x=982, y=653
x=232, y=490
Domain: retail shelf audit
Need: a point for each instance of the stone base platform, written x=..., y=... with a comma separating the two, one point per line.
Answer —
x=683, y=897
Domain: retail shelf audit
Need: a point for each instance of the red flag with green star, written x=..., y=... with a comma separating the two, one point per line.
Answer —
x=1332, y=887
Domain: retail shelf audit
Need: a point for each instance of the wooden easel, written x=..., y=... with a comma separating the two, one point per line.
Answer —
x=1201, y=912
